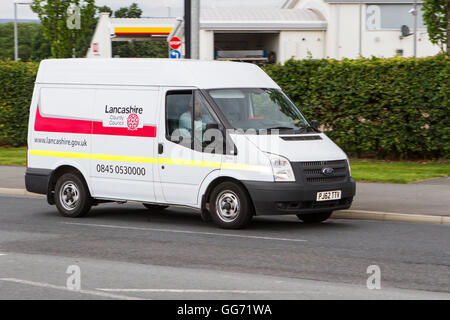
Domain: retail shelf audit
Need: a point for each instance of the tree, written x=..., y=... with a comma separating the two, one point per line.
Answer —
x=133, y=11
x=32, y=45
x=56, y=16
x=105, y=9
x=436, y=16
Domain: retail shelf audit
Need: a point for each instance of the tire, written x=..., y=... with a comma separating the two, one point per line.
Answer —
x=230, y=206
x=314, y=217
x=154, y=207
x=205, y=215
x=72, y=197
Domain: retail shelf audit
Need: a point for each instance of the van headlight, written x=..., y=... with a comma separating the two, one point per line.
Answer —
x=281, y=168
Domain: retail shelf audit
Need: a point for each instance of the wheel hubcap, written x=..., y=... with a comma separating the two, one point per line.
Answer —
x=227, y=206
x=69, y=195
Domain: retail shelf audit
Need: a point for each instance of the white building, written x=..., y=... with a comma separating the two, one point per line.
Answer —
x=369, y=27
x=300, y=29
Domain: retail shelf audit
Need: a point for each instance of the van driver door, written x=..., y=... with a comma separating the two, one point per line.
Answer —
x=187, y=153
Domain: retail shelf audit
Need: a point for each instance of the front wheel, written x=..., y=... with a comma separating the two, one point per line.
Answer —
x=314, y=217
x=72, y=197
x=230, y=206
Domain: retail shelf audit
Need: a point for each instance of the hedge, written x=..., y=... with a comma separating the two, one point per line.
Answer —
x=386, y=108
x=16, y=89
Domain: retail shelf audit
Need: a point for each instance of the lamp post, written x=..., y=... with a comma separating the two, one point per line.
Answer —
x=415, y=28
x=413, y=11
x=16, y=44
x=360, y=31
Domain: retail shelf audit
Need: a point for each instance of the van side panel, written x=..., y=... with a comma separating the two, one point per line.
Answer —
x=123, y=142
x=59, y=129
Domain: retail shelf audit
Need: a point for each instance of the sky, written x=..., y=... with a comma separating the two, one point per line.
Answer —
x=151, y=8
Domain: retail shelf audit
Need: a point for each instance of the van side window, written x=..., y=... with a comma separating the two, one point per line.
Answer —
x=178, y=116
x=190, y=124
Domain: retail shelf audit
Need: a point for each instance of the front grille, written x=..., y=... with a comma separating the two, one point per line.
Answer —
x=319, y=171
x=322, y=163
x=325, y=179
x=311, y=171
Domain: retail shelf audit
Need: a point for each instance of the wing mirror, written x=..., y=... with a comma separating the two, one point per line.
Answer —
x=315, y=124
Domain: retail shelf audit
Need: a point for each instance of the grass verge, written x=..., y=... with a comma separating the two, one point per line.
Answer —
x=397, y=171
x=13, y=156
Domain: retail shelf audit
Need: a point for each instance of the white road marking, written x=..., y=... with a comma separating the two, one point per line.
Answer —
x=2, y=254
x=83, y=291
x=188, y=290
x=184, y=231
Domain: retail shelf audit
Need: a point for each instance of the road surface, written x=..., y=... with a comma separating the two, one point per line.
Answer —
x=127, y=252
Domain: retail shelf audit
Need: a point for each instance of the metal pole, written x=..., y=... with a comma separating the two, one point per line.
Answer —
x=187, y=29
x=195, y=29
x=360, y=31
x=16, y=46
x=415, y=28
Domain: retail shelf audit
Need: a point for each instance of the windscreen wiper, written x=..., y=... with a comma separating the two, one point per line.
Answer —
x=306, y=130
x=280, y=128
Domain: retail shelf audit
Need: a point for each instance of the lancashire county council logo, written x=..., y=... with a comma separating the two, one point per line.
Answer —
x=133, y=121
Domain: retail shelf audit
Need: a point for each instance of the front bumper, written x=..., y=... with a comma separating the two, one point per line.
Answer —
x=276, y=198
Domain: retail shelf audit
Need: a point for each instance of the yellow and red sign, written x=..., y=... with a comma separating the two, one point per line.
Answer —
x=142, y=30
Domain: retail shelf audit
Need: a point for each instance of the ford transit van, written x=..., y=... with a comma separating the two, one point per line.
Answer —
x=217, y=136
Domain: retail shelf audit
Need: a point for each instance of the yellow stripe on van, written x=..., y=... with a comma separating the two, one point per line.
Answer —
x=123, y=158
x=80, y=155
x=62, y=154
x=182, y=162
x=142, y=30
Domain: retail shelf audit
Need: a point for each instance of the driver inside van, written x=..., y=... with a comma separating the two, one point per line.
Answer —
x=201, y=118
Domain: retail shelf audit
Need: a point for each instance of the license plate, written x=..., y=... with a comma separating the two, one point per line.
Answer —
x=328, y=195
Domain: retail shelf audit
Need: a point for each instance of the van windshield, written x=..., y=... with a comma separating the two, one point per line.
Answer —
x=259, y=109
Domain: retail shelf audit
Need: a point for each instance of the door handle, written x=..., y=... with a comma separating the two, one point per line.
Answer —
x=160, y=148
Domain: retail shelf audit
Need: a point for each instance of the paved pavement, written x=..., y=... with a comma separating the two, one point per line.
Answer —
x=428, y=197
x=127, y=252
x=12, y=177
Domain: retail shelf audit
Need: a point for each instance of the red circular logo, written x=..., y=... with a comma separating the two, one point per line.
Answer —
x=133, y=121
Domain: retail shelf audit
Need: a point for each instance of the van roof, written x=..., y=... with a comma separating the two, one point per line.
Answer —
x=154, y=72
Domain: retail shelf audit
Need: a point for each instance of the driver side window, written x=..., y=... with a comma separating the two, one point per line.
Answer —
x=190, y=123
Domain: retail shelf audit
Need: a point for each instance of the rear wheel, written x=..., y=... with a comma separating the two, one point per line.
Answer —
x=314, y=217
x=154, y=207
x=230, y=206
x=72, y=196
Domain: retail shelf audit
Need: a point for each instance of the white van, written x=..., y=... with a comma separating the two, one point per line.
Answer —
x=220, y=137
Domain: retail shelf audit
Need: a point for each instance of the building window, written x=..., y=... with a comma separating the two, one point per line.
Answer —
x=392, y=16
